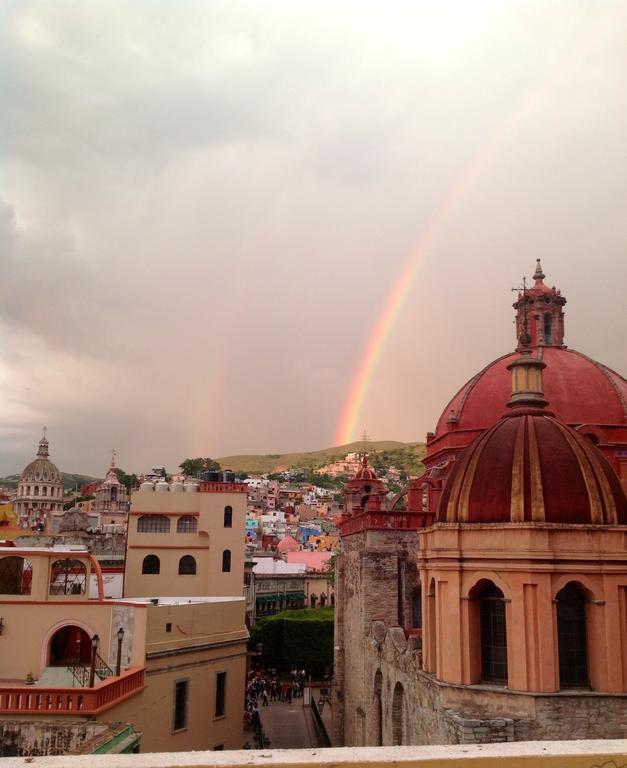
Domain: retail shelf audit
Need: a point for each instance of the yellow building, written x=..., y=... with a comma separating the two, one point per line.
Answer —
x=172, y=667
x=186, y=539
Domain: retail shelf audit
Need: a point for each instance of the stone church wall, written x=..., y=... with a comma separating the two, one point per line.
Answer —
x=438, y=713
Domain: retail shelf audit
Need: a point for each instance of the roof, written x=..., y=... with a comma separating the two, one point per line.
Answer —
x=313, y=560
x=531, y=468
x=276, y=567
x=579, y=390
x=288, y=544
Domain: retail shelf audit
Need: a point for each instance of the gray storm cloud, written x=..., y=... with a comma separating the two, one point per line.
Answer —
x=206, y=205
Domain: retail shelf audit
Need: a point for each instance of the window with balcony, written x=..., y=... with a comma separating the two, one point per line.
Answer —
x=153, y=524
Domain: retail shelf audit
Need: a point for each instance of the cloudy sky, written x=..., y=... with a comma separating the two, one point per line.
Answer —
x=205, y=206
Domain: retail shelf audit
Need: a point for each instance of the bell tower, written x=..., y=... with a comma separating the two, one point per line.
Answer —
x=540, y=313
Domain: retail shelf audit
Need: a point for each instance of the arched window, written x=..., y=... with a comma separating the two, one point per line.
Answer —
x=187, y=524
x=153, y=524
x=547, y=328
x=378, y=708
x=16, y=576
x=44, y=490
x=36, y=490
x=228, y=517
x=399, y=715
x=151, y=565
x=493, y=634
x=68, y=577
x=226, y=561
x=571, y=637
x=187, y=566
x=416, y=608
x=432, y=646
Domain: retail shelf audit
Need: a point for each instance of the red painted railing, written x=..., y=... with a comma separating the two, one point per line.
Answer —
x=28, y=699
x=210, y=486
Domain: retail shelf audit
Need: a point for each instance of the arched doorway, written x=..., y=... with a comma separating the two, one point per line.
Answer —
x=571, y=637
x=378, y=709
x=399, y=728
x=69, y=644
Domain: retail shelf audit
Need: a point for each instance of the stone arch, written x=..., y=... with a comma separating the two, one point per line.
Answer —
x=399, y=716
x=476, y=580
x=377, y=709
x=45, y=645
x=592, y=591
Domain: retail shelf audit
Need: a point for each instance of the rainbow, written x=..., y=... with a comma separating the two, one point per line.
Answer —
x=462, y=184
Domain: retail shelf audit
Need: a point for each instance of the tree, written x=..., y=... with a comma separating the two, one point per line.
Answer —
x=195, y=467
x=130, y=482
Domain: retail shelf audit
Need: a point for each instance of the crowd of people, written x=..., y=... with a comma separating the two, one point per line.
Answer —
x=264, y=686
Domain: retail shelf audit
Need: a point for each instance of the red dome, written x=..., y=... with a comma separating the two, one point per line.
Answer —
x=288, y=544
x=529, y=467
x=365, y=472
x=579, y=391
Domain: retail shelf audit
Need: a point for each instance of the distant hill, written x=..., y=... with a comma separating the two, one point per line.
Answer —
x=69, y=480
x=405, y=456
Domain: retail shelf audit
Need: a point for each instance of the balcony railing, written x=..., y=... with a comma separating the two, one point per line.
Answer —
x=28, y=699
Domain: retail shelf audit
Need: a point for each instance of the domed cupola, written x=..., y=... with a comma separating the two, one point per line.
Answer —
x=364, y=490
x=39, y=491
x=41, y=469
x=530, y=467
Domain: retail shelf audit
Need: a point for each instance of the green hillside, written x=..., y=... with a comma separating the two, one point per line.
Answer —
x=69, y=480
x=405, y=456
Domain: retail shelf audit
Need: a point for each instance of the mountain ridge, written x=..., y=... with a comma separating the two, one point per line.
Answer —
x=280, y=462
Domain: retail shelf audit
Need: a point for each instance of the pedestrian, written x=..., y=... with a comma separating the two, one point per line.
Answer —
x=264, y=698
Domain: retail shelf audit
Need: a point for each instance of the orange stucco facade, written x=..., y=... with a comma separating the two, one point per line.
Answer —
x=530, y=564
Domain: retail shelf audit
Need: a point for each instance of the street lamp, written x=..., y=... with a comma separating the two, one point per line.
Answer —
x=95, y=641
x=118, y=663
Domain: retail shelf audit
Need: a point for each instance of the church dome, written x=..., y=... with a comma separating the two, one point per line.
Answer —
x=41, y=470
x=531, y=467
x=365, y=471
x=288, y=544
x=580, y=390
